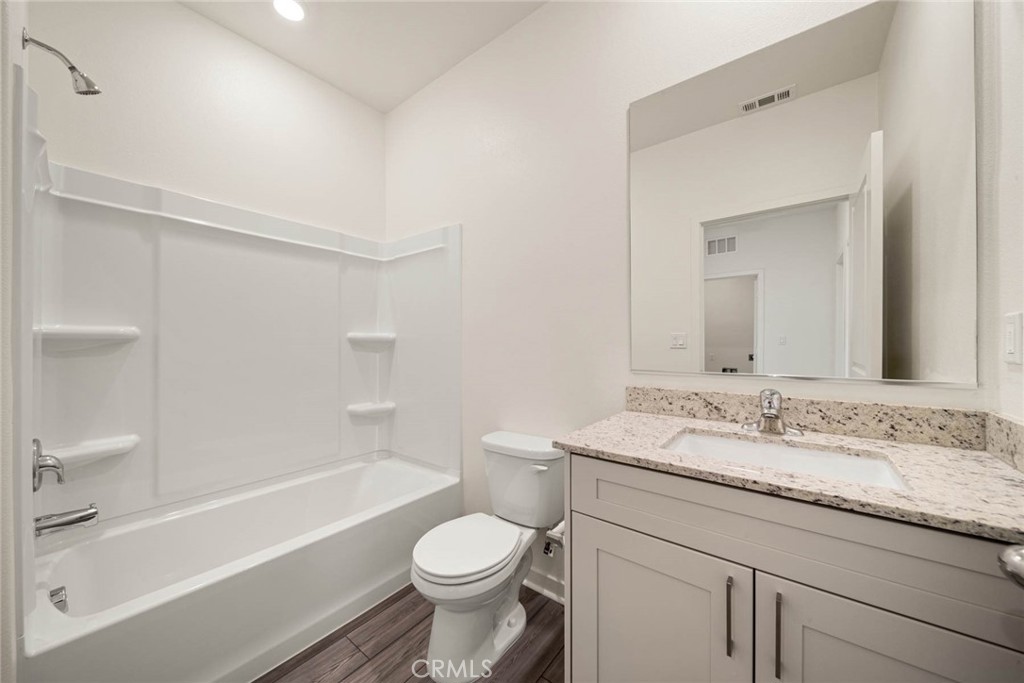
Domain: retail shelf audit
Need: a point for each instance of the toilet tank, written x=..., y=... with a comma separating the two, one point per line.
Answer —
x=526, y=478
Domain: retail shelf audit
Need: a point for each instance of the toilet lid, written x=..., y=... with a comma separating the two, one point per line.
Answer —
x=475, y=546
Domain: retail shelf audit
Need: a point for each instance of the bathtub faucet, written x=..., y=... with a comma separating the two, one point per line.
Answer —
x=42, y=464
x=47, y=524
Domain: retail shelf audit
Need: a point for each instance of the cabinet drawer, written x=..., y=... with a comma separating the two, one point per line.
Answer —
x=938, y=577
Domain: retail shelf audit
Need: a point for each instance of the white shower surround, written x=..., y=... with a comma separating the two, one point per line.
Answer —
x=229, y=306
x=241, y=368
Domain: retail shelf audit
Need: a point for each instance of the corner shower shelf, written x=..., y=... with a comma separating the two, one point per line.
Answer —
x=92, y=450
x=77, y=337
x=371, y=409
x=376, y=341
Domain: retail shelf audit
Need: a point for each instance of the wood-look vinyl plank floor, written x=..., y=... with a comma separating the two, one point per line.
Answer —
x=332, y=664
x=381, y=645
x=556, y=669
x=376, y=634
x=278, y=673
x=394, y=663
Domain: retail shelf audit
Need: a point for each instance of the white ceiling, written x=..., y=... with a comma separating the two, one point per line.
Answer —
x=845, y=48
x=379, y=52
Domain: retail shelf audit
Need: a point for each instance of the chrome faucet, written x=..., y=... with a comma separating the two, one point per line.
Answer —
x=771, y=421
x=41, y=464
x=47, y=524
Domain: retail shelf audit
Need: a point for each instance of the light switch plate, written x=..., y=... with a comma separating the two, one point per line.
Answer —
x=1013, y=352
x=679, y=340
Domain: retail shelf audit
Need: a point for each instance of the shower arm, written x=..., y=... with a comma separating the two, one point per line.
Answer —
x=82, y=84
x=27, y=40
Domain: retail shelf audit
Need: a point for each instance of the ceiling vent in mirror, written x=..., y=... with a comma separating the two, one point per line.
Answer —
x=722, y=245
x=768, y=99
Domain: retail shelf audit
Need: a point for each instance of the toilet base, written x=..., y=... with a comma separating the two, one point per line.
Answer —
x=443, y=667
x=465, y=645
x=509, y=631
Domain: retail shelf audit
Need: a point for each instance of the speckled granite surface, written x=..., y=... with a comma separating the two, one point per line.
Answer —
x=956, y=489
x=1006, y=440
x=910, y=424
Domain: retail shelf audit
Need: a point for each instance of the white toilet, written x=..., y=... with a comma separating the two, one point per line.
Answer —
x=471, y=568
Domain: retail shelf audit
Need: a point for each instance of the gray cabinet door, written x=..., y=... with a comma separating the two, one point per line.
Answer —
x=808, y=635
x=647, y=611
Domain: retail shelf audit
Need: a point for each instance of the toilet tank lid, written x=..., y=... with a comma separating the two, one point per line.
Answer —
x=521, y=446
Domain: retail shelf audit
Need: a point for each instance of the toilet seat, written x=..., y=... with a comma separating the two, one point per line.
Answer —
x=466, y=549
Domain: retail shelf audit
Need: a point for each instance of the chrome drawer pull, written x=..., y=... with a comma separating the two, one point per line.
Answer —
x=778, y=636
x=728, y=617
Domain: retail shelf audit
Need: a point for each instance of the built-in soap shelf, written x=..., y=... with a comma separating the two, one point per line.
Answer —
x=78, y=337
x=86, y=452
x=382, y=409
x=373, y=341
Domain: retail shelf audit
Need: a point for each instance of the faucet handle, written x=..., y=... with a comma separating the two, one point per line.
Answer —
x=42, y=464
x=771, y=400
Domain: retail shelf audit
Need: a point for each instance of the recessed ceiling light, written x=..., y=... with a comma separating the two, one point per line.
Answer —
x=289, y=9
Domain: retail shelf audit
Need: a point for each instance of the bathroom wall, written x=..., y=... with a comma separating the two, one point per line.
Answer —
x=525, y=144
x=811, y=149
x=930, y=192
x=227, y=120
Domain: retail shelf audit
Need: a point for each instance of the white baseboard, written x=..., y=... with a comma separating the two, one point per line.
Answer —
x=548, y=586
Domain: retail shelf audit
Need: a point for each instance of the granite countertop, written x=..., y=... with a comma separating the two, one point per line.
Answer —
x=966, y=491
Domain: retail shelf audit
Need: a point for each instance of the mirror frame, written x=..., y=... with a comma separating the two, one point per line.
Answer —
x=866, y=381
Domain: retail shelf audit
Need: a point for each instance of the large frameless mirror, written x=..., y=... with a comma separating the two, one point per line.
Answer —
x=809, y=209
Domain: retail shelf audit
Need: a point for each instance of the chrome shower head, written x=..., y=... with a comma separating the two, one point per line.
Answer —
x=82, y=84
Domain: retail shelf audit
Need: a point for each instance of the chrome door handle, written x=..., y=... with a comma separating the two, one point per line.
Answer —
x=728, y=617
x=1011, y=561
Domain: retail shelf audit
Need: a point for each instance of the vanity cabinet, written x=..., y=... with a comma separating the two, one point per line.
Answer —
x=674, y=579
x=655, y=611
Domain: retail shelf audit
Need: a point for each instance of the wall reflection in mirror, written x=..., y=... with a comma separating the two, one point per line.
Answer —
x=809, y=209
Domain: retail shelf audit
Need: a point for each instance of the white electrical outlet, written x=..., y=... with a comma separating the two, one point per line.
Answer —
x=679, y=340
x=1012, y=351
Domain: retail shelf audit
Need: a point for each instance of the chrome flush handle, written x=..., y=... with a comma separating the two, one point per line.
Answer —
x=1011, y=561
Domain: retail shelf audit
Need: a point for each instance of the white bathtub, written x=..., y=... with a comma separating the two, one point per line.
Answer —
x=227, y=589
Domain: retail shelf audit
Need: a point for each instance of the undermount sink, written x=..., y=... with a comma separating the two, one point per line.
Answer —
x=826, y=464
